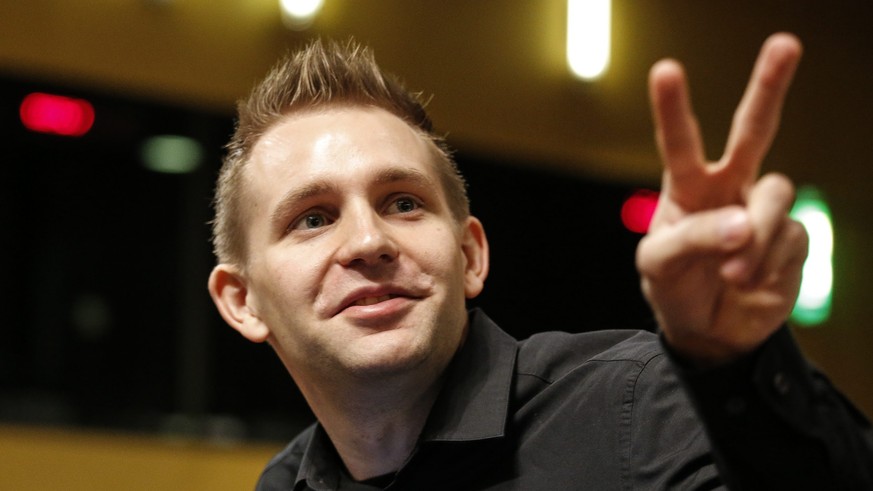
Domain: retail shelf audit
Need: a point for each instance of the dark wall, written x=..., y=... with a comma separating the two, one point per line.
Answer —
x=107, y=319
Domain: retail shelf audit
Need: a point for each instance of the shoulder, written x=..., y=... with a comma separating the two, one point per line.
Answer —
x=281, y=472
x=553, y=355
x=618, y=389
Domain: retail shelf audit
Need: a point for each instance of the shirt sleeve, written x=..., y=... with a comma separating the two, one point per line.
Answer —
x=777, y=423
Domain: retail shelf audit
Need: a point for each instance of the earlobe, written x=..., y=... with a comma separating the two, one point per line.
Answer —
x=229, y=290
x=475, y=247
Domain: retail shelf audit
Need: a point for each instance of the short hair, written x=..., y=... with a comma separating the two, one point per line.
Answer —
x=322, y=74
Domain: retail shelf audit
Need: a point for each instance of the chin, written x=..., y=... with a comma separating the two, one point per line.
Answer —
x=391, y=354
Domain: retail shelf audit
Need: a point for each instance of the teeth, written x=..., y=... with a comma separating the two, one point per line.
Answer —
x=373, y=300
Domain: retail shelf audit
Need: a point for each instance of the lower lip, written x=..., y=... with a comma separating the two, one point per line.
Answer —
x=378, y=312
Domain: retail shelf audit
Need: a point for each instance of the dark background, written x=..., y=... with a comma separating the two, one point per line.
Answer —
x=108, y=323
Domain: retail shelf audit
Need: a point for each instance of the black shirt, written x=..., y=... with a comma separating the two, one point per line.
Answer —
x=605, y=410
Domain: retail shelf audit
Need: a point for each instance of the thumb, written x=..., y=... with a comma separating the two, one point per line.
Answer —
x=718, y=232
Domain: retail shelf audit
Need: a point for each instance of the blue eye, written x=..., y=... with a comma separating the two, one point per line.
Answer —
x=311, y=221
x=405, y=205
x=314, y=221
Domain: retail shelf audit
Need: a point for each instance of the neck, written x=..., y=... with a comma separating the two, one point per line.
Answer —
x=373, y=426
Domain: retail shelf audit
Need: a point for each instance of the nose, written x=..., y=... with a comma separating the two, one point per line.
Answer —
x=366, y=239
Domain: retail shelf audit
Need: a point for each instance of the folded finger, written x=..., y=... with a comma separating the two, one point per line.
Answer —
x=769, y=203
x=784, y=260
x=716, y=232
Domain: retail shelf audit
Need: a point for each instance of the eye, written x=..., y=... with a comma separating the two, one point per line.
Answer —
x=310, y=221
x=404, y=204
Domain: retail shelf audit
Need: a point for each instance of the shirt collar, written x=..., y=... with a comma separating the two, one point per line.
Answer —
x=474, y=401
x=319, y=465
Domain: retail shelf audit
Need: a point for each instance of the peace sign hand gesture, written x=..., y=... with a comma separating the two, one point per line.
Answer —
x=722, y=262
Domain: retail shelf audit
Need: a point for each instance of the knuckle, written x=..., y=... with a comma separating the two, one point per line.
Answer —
x=797, y=233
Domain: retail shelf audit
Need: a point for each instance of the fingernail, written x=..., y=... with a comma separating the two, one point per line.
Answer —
x=734, y=228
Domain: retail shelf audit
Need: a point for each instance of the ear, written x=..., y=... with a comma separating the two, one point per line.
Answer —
x=229, y=290
x=475, y=247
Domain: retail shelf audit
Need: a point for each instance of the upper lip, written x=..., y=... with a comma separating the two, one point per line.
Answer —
x=371, y=291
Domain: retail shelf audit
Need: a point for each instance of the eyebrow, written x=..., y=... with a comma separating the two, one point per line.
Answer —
x=297, y=195
x=323, y=187
x=395, y=174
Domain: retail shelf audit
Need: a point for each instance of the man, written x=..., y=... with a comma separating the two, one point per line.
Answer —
x=345, y=240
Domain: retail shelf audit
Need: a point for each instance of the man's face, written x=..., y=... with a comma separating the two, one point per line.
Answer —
x=356, y=264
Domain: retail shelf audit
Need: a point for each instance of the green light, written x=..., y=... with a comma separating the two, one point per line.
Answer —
x=814, y=300
x=171, y=154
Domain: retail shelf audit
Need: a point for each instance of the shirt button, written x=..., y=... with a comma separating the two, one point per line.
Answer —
x=781, y=384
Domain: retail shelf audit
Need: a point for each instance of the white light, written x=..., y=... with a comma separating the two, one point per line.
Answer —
x=298, y=14
x=818, y=277
x=814, y=300
x=588, y=37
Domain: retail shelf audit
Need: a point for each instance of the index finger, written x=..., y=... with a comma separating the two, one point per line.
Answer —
x=757, y=117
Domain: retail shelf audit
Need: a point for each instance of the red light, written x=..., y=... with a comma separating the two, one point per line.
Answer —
x=638, y=209
x=55, y=114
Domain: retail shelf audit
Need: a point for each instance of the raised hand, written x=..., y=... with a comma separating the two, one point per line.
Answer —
x=722, y=262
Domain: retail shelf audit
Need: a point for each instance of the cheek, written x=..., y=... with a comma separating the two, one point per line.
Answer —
x=442, y=256
x=291, y=284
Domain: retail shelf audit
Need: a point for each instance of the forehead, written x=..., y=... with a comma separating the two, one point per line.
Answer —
x=335, y=144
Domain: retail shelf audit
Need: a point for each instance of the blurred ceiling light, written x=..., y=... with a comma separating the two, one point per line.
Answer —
x=171, y=154
x=588, y=37
x=299, y=14
x=816, y=289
